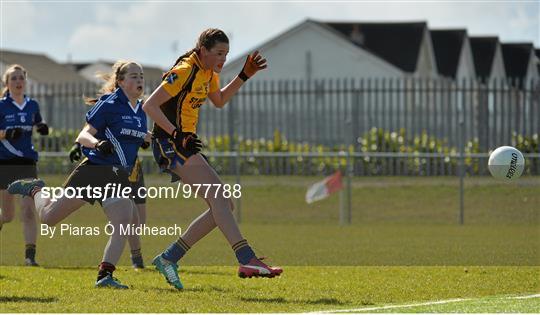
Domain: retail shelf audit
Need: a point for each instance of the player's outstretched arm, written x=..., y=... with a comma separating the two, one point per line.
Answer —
x=254, y=63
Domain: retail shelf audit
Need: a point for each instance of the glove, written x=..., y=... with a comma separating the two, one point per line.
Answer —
x=187, y=140
x=254, y=63
x=105, y=147
x=145, y=145
x=75, y=152
x=42, y=128
x=13, y=133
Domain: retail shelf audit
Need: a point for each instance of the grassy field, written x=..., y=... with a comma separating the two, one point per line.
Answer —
x=403, y=247
x=300, y=289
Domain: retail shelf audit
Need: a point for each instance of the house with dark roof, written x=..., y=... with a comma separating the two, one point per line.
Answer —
x=58, y=89
x=324, y=50
x=520, y=63
x=405, y=45
x=488, y=60
x=77, y=66
x=453, y=54
x=41, y=69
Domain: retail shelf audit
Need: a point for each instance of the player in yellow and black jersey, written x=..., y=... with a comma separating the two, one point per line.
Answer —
x=188, y=84
x=174, y=106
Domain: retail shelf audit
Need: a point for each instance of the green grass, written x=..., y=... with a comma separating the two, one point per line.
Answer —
x=300, y=289
x=404, y=246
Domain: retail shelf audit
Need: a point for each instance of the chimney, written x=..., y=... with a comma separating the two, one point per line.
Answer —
x=356, y=35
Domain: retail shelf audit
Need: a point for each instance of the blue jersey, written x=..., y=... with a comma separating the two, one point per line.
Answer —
x=24, y=116
x=124, y=126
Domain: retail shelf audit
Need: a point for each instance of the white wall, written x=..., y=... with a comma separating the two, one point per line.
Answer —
x=532, y=71
x=426, y=65
x=466, y=63
x=497, y=71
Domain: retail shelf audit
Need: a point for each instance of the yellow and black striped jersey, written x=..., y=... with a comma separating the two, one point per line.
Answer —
x=188, y=84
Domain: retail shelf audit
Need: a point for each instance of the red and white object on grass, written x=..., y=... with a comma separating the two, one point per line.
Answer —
x=324, y=188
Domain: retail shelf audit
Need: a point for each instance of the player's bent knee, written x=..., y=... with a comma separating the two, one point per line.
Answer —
x=109, y=203
x=49, y=220
x=8, y=213
x=221, y=203
x=27, y=217
x=27, y=214
x=119, y=209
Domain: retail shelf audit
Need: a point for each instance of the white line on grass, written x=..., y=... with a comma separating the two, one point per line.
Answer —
x=419, y=304
x=526, y=297
x=394, y=306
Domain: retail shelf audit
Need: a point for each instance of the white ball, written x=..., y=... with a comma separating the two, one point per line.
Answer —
x=506, y=163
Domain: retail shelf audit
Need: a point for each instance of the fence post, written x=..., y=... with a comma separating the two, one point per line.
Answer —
x=345, y=196
x=231, y=124
x=345, y=213
x=350, y=165
x=238, y=201
x=461, y=141
x=461, y=174
x=234, y=147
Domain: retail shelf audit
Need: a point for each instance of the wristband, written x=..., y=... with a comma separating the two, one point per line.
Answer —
x=243, y=76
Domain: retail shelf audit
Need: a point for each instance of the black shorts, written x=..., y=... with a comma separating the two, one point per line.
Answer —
x=93, y=175
x=136, y=178
x=14, y=169
x=167, y=154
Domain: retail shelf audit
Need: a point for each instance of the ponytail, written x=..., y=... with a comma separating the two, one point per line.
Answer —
x=185, y=55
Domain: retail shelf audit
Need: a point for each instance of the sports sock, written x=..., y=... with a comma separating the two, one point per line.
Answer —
x=136, y=257
x=30, y=251
x=34, y=191
x=243, y=252
x=176, y=250
x=105, y=269
x=136, y=253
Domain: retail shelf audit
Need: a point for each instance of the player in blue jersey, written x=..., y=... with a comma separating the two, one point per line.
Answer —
x=115, y=129
x=19, y=115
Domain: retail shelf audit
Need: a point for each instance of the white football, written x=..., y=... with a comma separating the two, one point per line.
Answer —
x=506, y=163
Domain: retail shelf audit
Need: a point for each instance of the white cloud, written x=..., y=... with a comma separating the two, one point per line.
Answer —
x=18, y=21
x=524, y=20
x=145, y=31
x=104, y=40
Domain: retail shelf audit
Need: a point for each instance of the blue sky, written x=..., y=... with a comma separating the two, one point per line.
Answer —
x=155, y=32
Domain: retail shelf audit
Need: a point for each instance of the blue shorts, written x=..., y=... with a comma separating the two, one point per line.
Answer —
x=167, y=154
